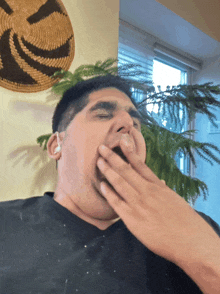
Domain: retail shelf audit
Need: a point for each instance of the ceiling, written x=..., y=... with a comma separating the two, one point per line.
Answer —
x=203, y=14
x=171, y=29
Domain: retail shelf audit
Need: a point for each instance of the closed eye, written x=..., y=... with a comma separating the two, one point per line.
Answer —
x=136, y=125
x=102, y=115
x=110, y=116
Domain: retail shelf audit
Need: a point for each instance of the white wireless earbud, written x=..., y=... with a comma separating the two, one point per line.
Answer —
x=58, y=148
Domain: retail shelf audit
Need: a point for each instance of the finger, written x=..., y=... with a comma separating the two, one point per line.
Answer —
x=124, y=170
x=121, y=186
x=118, y=204
x=136, y=174
x=139, y=165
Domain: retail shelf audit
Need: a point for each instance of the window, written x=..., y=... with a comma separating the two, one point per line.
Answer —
x=166, y=75
x=163, y=74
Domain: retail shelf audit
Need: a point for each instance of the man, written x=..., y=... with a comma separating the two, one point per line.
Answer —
x=111, y=226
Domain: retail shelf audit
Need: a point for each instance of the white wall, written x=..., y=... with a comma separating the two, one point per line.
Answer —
x=25, y=169
x=205, y=171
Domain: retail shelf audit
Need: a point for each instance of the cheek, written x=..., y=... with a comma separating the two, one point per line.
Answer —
x=70, y=163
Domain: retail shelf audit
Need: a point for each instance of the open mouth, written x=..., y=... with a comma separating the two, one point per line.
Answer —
x=100, y=176
x=118, y=151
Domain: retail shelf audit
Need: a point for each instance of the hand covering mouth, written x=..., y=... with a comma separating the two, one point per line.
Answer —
x=118, y=151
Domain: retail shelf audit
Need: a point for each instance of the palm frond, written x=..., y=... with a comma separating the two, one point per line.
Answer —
x=42, y=140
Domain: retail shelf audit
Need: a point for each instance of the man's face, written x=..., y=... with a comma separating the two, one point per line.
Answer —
x=79, y=177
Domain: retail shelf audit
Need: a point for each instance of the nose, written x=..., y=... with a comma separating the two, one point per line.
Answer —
x=123, y=121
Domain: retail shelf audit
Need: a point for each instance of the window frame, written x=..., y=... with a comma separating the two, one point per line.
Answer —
x=188, y=167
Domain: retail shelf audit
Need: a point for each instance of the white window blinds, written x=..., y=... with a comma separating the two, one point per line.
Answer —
x=135, y=47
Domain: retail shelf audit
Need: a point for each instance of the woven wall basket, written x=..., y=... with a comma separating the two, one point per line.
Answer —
x=36, y=40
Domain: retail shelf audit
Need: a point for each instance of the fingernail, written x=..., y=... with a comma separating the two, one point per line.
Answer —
x=126, y=140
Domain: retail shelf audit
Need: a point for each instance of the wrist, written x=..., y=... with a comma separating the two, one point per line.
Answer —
x=202, y=265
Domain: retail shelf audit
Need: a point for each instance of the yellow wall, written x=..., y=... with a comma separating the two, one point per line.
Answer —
x=24, y=117
x=203, y=14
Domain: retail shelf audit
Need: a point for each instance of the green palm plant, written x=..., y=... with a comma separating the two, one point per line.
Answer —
x=162, y=144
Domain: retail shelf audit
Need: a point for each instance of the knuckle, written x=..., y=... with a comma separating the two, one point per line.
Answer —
x=115, y=202
x=110, y=155
x=140, y=163
x=123, y=167
x=117, y=181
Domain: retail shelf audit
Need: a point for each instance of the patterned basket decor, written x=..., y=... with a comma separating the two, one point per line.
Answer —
x=36, y=40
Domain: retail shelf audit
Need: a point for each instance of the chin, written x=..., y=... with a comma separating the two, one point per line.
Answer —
x=108, y=215
x=105, y=211
x=102, y=209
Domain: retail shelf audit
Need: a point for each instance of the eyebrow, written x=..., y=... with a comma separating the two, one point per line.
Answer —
x=112, y=106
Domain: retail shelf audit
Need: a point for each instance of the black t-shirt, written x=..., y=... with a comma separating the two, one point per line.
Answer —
x=44, y=248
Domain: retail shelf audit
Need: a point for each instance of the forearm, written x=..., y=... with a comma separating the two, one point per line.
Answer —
x=202, y=265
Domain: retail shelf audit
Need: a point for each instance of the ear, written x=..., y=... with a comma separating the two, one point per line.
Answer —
x=52, y=144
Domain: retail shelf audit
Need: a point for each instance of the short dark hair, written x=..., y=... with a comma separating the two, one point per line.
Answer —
x=76, y=98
